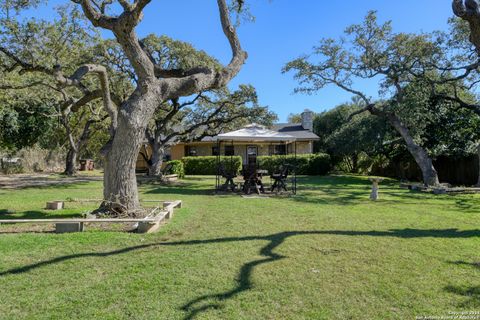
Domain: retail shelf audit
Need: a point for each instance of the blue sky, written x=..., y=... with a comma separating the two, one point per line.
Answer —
x=283, y=30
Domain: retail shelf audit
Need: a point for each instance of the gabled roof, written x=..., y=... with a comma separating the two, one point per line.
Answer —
x=255, y=132
x=287, y=130
x=296, y=130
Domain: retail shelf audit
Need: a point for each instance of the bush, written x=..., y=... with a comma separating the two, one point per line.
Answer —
x=305, y=164
x=12, y=168
x=36, y=159
x=208, y=165
x=319, y=164
x=176, y=168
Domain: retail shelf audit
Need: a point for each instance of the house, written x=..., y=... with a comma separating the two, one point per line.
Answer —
x=251, y=141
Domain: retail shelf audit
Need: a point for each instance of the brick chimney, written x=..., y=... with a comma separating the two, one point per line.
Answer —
x=307, y=120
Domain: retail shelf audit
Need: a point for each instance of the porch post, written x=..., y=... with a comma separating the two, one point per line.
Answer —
x=217, y=177
x=295, y=171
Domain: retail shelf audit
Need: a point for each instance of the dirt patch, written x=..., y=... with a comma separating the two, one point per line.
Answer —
x=19, y=181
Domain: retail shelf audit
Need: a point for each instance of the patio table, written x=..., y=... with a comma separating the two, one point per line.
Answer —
x=253, y=178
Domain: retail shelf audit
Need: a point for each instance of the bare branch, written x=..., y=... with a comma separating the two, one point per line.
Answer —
x=26, y=67
x=462, y=104
x=202, y=79
x=89, y=97
x=97, y=18
x=25, y=86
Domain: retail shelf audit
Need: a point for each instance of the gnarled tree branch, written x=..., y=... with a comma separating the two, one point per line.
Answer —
x=469, y=10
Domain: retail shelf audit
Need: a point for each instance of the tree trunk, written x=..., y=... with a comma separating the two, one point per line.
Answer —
x=70, y=162
x=120, y=182
x=423, y=160
x=158, y=152
x=354, y=163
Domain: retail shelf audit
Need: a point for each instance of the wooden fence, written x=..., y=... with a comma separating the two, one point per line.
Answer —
x=456, y=171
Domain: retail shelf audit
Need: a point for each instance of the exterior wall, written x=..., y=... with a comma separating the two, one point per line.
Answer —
x=202, y=149
x=141, y=163
x=177, y=152
x=304, y=147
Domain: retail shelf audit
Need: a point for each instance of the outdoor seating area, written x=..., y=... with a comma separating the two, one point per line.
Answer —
x=251, y=177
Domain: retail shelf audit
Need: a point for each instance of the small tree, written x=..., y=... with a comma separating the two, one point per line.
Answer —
x=345, y=140
x=78, y=128
x=294, y=118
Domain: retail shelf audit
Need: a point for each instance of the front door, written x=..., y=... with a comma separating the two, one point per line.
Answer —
x=252, y=152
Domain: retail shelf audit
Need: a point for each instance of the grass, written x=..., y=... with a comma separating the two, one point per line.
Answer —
x=327, y=253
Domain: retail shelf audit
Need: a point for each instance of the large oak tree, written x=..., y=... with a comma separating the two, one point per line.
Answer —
x=154, y=86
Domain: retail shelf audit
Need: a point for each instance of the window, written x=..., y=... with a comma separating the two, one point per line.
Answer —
x=252, y=150
x=215, y=151
x=229, y=151
x=279, y=149
x=190, y=151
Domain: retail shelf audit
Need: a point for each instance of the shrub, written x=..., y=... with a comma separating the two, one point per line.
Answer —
x=35, y=159
x=305, y=164
x=320, y=164
x=176, y=168
x=208, y=165
x=12, y=168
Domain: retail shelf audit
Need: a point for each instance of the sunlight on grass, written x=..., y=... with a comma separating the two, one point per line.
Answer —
x=326, y=253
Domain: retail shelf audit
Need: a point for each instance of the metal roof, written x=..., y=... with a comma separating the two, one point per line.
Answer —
x=254, y=132
x=296, y=130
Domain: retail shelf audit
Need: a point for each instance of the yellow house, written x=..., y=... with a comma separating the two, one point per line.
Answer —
x=249, y=142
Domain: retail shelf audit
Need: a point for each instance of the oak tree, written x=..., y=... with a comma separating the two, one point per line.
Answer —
x=154, y=85
x=371, y=51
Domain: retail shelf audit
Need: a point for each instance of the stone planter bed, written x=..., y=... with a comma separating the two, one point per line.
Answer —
x=158, y=215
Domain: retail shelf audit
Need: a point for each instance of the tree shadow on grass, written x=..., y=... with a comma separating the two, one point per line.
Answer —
x=340, y=194
x=4, y=212
x=244, y=282
x=466, y=263
x=15, y=228
x=472, y=293
x=181, y=188
x=469, y=203
x=46, y=183
x=34, y=214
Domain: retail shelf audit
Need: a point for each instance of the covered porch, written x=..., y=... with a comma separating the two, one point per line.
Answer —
x=249, y=143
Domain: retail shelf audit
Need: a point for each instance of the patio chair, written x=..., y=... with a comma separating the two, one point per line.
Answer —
x=229, y=176
x=280, y=179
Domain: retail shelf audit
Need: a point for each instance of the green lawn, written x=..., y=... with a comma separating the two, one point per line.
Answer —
x=327, y=253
